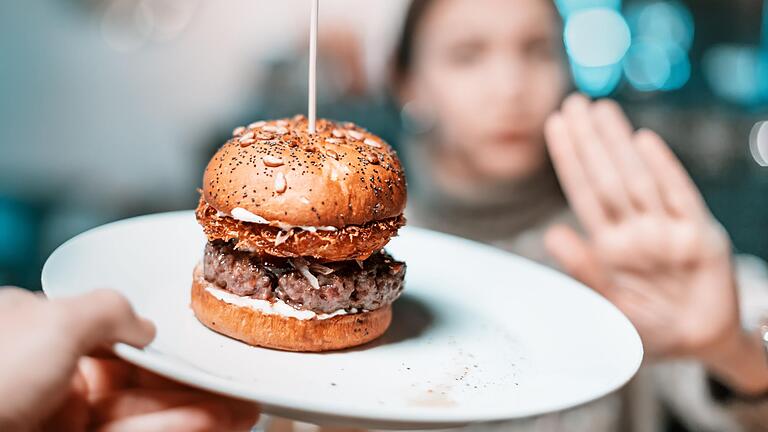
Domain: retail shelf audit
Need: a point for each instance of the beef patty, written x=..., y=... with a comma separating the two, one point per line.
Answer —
x=368, y=285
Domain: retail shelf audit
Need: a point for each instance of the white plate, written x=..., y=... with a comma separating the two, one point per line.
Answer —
x=481, y=335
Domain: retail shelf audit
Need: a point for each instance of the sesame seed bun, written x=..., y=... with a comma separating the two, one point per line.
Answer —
x=340, y=176
x=285, y=333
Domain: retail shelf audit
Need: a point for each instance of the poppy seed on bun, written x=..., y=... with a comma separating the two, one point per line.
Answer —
x=341, y=175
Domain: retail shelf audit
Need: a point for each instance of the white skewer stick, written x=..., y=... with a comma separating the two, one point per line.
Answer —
x=313, y=67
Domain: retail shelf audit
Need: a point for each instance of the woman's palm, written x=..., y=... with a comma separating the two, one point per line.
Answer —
x=652, y=248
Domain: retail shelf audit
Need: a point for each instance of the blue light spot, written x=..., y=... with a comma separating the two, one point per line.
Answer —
x=647, y=66
x=764, y=54
x=680, y=71
x=596, y=37
x=733, y=71
x=567, y=7
x=16, y=233
x=596, y=81
x=668, y=22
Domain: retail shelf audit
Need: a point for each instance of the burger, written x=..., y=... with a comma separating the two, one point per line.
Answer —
x=296, y=224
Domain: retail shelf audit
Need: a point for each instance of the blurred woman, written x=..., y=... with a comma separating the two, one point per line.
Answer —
x=499, y=157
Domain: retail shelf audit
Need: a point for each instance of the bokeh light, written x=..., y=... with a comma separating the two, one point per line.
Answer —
x=662, y=35
x=125, y=26
x=758, y=143
x=597, y=81
x=647, y=67
x=128, y=25
x=652, y=65
x=668, y=22
x=763, y=66
x=681, y=68
x=733, y=71
x=17, y=233
x=738, y=73
x=648, y=45
x=596, y=37
x=567, y=7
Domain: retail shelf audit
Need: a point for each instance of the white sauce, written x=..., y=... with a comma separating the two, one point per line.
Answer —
x=278, y=307
x=244, y=215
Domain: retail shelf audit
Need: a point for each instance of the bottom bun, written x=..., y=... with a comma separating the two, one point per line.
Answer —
x=285, y=333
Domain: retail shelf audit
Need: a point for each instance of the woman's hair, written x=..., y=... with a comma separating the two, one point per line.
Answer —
x=405, y=45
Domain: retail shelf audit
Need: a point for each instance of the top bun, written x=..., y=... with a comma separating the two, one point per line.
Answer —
x=341, y=175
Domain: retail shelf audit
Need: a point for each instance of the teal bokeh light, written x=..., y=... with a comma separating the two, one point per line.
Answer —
x=681, y=68
x=567, y=7
x=647, y=66
x=736, y=72
x=596, y=37
x=596, y=81
x=648, y=45
x=652, y=65
x=668, y=22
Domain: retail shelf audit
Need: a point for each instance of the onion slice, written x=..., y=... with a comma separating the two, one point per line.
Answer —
x=319, y=268
x=282, y=237
x=301, y=265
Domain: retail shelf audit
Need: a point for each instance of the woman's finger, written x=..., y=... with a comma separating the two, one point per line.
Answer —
x=103, y=316
x=679, y=193
x=602, y=172
x=615, y=129
x=198, y=417
x=572, y=175
x=576, y=258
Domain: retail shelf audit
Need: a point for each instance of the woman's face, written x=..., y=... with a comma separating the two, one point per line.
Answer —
x=490, y=72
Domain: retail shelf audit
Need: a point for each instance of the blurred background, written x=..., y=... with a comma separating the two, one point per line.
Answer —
x=111, y=108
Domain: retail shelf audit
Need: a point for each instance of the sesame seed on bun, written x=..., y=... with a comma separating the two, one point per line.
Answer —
x=341, y=175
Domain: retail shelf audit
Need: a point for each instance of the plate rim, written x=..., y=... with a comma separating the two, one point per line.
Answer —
x=190, y=375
